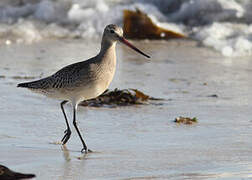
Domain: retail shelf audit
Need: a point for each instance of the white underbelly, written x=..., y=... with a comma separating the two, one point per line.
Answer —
x=91, y=90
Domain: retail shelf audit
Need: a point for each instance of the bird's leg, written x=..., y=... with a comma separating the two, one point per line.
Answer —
x=76, y=127
x=68, y=130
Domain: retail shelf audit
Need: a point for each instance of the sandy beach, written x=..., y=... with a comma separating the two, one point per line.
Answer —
x=136, y=142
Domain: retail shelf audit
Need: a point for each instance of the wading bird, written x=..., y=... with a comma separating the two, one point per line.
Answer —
x=83, y=80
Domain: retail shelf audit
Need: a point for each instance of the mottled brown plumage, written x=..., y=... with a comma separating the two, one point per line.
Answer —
x=83, y=80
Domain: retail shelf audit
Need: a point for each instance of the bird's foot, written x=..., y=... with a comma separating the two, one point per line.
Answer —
x=66, y=136
x=85, y=150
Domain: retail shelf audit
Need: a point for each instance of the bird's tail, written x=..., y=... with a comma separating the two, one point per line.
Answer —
x=42, y=83
x=31, y=85
x=24, y=85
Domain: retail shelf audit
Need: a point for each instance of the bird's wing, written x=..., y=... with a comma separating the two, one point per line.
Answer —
x=65, y=77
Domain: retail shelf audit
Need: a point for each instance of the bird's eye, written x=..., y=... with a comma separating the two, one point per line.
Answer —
x=112, y=31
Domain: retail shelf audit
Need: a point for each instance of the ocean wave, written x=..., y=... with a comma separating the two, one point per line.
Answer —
x=224, y=25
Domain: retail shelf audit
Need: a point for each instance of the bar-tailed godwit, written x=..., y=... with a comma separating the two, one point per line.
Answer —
x=83, y=80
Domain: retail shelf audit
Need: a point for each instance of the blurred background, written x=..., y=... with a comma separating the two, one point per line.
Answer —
x=224, y=25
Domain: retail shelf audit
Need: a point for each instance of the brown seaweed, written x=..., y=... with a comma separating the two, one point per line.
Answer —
x=7, y=174
x=137, y=25
x=124, y=97
x=186, y=120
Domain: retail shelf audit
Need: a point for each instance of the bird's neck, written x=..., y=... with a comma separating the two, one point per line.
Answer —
x=107, y=52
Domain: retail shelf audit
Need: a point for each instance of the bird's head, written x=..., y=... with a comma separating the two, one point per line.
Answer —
x=114, y=33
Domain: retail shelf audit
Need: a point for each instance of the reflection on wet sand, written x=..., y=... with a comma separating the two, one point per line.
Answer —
x=66, y=153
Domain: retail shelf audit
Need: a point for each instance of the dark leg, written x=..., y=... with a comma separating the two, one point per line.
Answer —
x=68, y=130
x=76, y=127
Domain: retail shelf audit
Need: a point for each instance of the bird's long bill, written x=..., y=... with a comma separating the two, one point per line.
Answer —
x=124, y=41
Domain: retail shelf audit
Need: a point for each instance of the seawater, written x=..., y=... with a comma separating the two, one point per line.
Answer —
x=224, y=25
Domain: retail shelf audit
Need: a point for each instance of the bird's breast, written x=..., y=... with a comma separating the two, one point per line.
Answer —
x=99, y=83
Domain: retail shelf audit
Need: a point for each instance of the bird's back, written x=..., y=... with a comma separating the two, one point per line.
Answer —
x=78, y=81
x=66, y=77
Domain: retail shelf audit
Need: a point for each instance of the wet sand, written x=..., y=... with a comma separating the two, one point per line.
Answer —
x=137, y=142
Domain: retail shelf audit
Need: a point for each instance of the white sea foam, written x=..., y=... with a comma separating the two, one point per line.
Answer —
x=229, y=38
x=223, y=25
